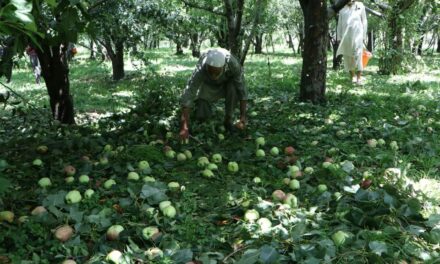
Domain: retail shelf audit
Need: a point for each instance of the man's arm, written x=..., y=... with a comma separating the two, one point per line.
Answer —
x=184, y=123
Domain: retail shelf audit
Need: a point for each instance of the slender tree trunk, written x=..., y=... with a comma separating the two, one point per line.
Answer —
x=55, y=72
x=300, y=43
x=420, y=46
x=195, y=45
x=116, y=56
x=234, y=16
x=92, y=51
x=392, y=61
x=370, y=42
x=438, y=43
x=313, y=74
x=259, y=43
x=179, y=47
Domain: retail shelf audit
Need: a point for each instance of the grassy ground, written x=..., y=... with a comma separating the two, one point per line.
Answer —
x=396, y=219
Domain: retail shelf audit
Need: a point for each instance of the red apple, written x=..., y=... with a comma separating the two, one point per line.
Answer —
x=289, y=150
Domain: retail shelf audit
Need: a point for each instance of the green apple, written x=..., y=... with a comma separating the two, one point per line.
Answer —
x=23, y=219
x=217, y=158
x=394, y=146
x=169, y=135
x=44, y=182
x=64, y=233
x=372, y=143
x=257, y=180
x=115, y=257
x=171, y=154
x=278, y=195
x=109, y=183
x=233, y=166
x=260, y=141
x=114, y=231
x=69, y=170
x=212, y=167
x=309, y=170
x=202, y=162
x=207, y=173
x=143, y=164
x=173, y=186
x=149, y=179
x=153, y=253
x=164, y=204
x=7, y=216
x=133, y=176
x=265, y=224
x=340, y=237
x=294, y=184
x=260, y=153
x=286, y=181
x=37, y=162
x=89, y=193
x=73, y=197
x=326, y=164
x=169, y=211
x=42, y=149
x=69, y=179
x=220, y=136
x=181, y=157
x=251, y=215
x=150, y=232
x=69, y=261
x=103, y=161
x=291, y=200
x=337, y=195
x=274, y=151
x=38, y=210
x=108, y=148
x=322, y=188
x=381, y=142
x=188, y=154
x=84, y=179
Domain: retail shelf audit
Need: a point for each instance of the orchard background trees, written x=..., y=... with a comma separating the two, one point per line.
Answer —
x=399, y=30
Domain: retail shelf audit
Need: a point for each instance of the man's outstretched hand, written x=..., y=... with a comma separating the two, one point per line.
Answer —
x=184, y=135
x=240, y=125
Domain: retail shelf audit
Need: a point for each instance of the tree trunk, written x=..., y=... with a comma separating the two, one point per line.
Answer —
x=370, y=42
x=116, y=56
x=55, y=72
x=179, y=48
x=234, y=16
x=195, y=45
x=420, y=46
x=300, y=43
x=259, y=43
x=438, y=43
x=92, y=51
x=392, y=61
x=313, y=74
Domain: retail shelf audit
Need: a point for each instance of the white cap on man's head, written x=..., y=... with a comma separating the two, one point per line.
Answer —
x=216, y=57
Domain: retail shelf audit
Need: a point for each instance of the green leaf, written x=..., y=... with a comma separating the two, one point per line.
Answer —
x=183, y=256
x=250, y=256
x=22, y=5
x=378, y=247
x=55, y=199
x=434, y=221
x=152, y=194
x=269, y=254
x=298, y=231
x=51, y=3
x=4, y=184
x=348, y=166
x=75, y=214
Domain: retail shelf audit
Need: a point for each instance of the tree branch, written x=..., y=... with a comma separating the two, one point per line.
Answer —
x=205, y=8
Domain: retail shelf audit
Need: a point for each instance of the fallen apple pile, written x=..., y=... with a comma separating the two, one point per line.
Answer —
x=347, y=192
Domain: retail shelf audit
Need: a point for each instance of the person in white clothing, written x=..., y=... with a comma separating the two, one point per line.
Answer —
x=351, y=33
